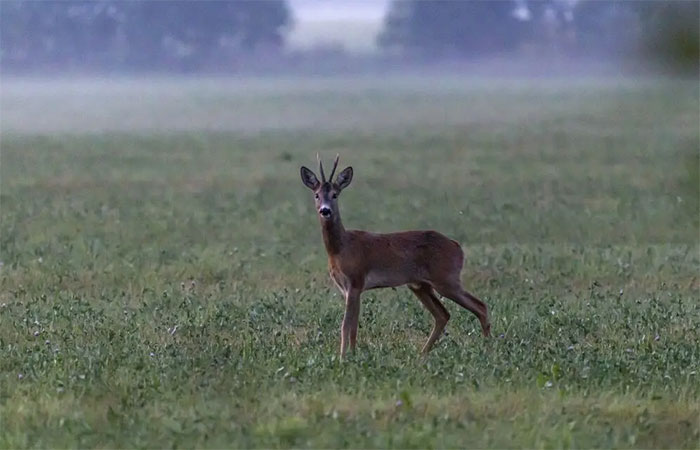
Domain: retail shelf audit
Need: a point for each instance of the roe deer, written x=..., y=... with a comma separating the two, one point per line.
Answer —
x=426, y=261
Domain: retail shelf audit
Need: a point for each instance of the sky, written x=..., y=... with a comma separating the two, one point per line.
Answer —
x=351, y=24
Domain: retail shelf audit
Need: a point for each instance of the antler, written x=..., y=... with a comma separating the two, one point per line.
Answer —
x=335, y=164
x=320, y=166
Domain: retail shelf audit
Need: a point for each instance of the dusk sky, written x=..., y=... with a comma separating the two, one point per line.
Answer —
x=352, y=24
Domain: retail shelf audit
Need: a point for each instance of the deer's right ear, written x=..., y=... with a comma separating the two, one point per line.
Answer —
x=309, y=178
x=344, y=178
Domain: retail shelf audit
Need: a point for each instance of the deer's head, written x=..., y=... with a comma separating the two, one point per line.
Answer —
x=326, y=191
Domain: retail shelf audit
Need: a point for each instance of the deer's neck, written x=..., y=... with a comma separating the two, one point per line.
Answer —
x=333, y=232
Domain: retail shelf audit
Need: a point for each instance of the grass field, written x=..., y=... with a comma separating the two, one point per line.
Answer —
x=163, y=280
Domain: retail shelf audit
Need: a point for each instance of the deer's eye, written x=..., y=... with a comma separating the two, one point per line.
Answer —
x=316, y=196
x=335, y=195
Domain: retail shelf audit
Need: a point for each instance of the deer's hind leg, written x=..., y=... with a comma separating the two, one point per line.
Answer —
x=427, y=296
x=455, y=292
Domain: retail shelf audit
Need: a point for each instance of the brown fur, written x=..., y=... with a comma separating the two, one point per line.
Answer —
x=426, y=261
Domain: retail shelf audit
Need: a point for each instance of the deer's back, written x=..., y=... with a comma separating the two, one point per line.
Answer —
x=394, y=259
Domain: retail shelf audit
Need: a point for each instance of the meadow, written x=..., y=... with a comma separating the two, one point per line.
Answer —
x=163, y=282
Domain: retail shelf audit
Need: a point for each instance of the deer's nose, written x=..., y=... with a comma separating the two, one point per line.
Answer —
x=324, y=211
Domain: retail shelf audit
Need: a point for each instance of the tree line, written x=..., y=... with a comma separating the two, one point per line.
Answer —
x=438, y=29
x=187, y=34
x=139, y=34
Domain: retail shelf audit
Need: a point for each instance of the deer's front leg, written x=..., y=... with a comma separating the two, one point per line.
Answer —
x=348, y=331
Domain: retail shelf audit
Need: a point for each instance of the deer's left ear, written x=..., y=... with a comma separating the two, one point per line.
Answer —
x=309, y=178
x=344, y=178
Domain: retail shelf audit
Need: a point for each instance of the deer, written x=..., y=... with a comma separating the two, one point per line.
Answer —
x=428, y=262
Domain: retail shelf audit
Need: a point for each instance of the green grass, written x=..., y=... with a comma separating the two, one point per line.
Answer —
x=163, y=282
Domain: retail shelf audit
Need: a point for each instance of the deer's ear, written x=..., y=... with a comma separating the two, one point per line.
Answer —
x=309, y=178
x=344, y=178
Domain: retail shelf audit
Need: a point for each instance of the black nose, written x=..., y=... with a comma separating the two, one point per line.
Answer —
x=325, y=212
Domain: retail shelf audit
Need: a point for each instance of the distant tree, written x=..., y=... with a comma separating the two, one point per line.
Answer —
x=671, y=33
x=551, y=24
x=57, y=32
x=193, y=31
x=667, y=31
x=19, y=31
x=452, y=28
x=605, y=26
x=186, y=33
